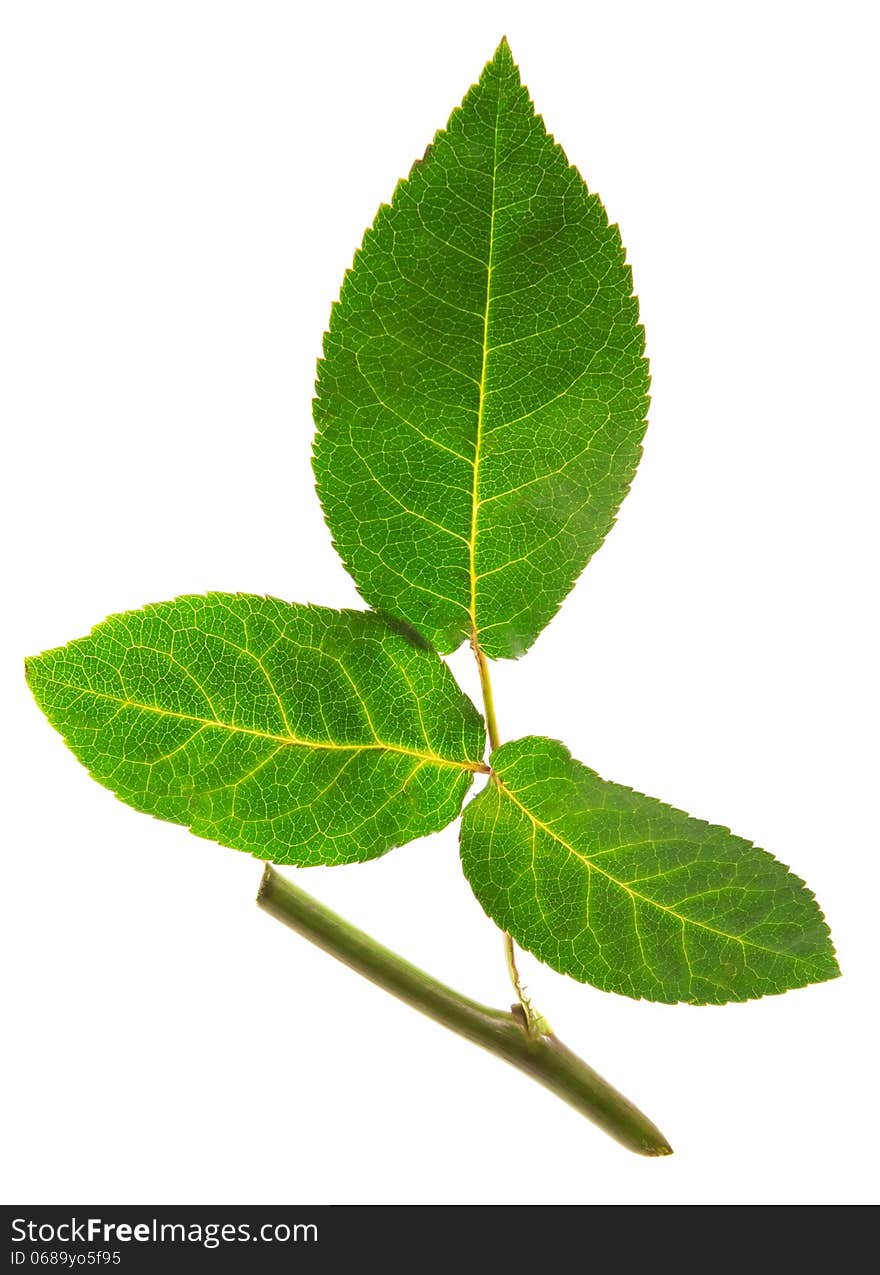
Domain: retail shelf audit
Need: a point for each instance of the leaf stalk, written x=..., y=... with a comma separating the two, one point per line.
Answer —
x=536, y=1024
x=486, y=688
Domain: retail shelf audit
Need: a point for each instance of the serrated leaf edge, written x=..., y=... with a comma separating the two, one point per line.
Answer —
x=830, y=954
x=471, y=633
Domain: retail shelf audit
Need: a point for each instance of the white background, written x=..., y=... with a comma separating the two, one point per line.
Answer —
x=184, y=185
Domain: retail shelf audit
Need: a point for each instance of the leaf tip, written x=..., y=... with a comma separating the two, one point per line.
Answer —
x=503, y=53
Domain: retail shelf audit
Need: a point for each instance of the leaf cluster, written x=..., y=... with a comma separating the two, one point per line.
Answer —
x=480, y=407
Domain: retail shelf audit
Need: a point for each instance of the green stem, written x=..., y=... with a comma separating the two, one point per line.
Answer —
x=486, y=687
x=504, y=1034
x=536, y=1024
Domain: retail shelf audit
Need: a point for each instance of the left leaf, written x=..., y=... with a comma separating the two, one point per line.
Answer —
x=299, y=734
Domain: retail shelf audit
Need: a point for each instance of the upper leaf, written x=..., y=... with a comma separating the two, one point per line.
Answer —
x=481, y=400
x=624, y=892
x=300, y=734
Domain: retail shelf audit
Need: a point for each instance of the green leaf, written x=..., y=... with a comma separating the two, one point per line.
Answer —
x=624, y=892
x=481, y=400
x=299, y=734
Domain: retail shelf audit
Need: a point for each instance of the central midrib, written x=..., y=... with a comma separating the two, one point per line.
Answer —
x=475, y=499
x=289, y=740
x=634, y=894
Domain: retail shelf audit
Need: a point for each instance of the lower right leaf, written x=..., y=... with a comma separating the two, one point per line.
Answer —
x=624, y=892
